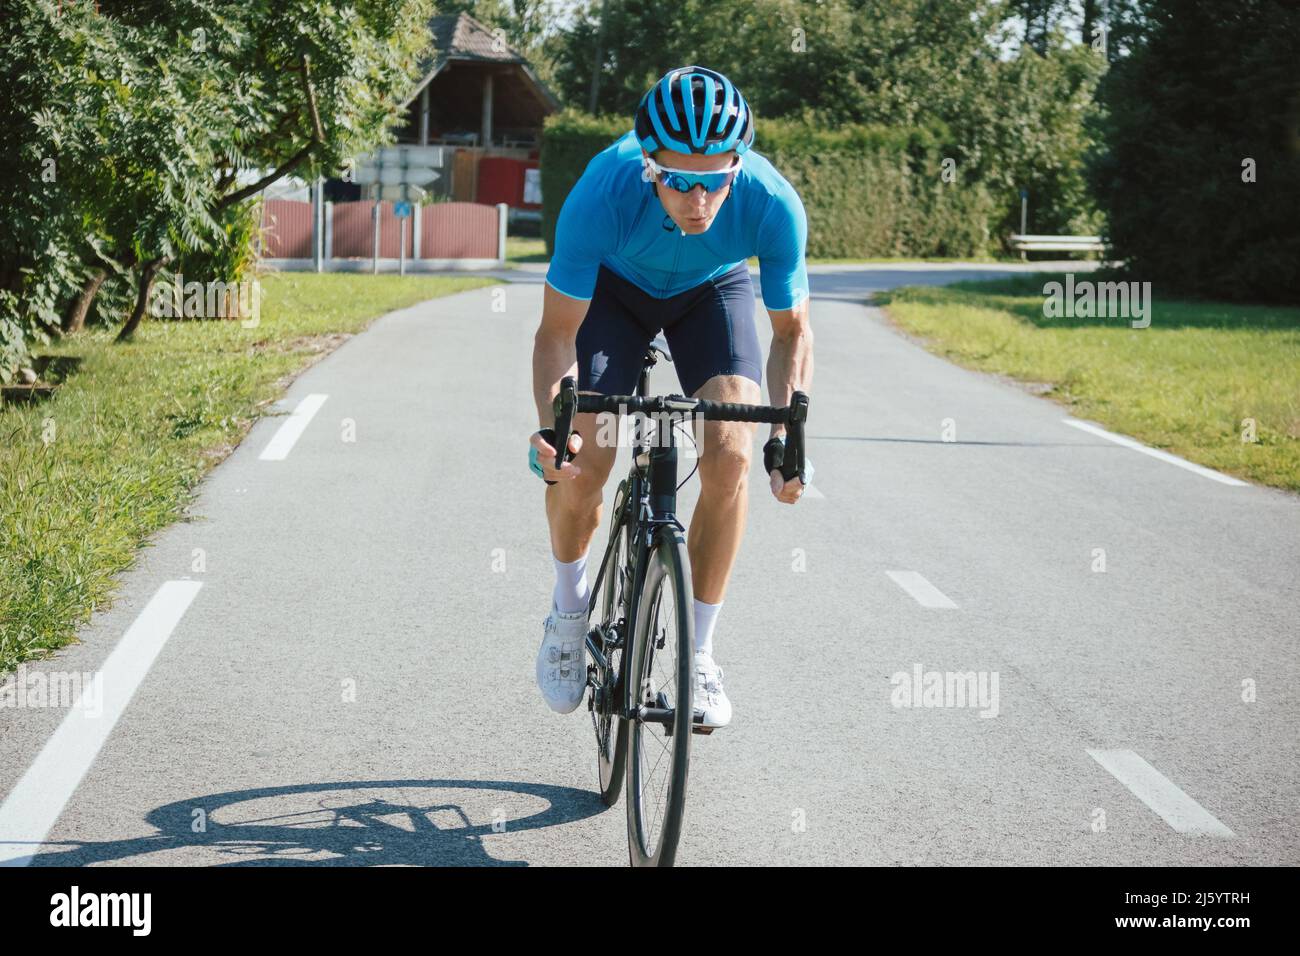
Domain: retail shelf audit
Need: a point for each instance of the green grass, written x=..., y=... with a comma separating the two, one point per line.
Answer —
x=526, y=249
x=1185, y=384
x=114, y=454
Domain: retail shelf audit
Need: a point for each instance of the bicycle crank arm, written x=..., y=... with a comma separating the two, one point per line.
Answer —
x=655, y=715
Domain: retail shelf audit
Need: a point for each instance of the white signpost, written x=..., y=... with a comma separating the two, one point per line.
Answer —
x=398, y=173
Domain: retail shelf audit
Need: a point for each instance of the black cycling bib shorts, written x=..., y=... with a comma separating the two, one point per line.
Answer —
x=710, y=330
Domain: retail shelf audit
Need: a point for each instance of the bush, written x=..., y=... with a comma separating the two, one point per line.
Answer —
x=233, y=256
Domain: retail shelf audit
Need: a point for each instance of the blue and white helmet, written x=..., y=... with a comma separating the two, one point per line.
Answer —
x=694, y=110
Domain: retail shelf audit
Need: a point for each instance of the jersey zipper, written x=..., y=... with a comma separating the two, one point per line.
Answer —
x=677, y=257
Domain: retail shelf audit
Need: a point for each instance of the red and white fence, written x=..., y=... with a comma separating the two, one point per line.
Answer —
x=444, y=235
x=286, y=229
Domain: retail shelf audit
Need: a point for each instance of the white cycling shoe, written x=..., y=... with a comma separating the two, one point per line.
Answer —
x=712, y=709
x=562, y=661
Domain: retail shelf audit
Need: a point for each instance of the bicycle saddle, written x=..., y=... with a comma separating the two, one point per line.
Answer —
x=660, y=345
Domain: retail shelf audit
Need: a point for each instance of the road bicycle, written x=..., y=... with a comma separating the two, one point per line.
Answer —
x=640, y=641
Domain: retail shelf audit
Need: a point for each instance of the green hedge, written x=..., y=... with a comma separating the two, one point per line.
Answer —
x=569, y=141
x=868, y=191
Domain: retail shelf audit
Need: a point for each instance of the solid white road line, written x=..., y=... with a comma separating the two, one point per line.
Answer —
x=1155, y=790
x=33, y=806
x=1155, y=453
x=926, y=594
x=281, y=443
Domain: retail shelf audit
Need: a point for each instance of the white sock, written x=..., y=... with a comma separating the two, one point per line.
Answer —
x=571, y=589
x=706, y=615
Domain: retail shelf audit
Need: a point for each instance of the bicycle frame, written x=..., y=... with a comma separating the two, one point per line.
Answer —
x=652, y=500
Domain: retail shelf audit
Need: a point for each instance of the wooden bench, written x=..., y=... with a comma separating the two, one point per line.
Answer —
x=1023, y=244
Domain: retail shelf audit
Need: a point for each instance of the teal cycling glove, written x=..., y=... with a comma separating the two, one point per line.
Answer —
x=534, y=464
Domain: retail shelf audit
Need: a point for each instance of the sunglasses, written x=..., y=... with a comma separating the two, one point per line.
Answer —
x=684, y=180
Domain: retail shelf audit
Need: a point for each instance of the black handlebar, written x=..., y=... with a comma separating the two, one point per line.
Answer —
x=569, y=403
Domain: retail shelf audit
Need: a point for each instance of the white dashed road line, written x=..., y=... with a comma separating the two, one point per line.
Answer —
x=281, y=443
x=1154, y=452
x=926, y=594
x=33, y=806
x=1155, y=790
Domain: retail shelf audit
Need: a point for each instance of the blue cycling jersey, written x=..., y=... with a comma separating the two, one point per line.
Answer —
x=613, y=217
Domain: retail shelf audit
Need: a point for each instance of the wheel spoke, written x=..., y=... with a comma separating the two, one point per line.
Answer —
x=663, y=749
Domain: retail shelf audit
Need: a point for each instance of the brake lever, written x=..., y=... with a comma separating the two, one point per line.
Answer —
x=564, y=407
x=793, y=462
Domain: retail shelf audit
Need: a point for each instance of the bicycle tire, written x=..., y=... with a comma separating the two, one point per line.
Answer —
x=608, y=608
x=653, y=831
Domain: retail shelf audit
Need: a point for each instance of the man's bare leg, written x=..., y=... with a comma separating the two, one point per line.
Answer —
x=719, y=520
x=573, y=507
x=717, y=527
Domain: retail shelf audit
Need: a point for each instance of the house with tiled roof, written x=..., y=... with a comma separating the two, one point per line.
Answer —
x=479, y=96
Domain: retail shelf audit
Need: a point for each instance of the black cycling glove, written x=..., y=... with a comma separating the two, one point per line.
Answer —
x=774, y=458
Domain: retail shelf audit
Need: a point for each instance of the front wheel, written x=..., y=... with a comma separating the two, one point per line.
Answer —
x=659, y=735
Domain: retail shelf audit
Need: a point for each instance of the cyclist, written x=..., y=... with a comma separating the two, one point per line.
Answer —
x=655, y=235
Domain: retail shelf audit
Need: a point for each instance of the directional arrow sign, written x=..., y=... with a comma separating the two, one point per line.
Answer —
x=404, y=156
x=399, y=164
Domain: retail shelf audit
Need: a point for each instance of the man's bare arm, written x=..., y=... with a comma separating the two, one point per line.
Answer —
x=555, y=350
x=555, y=355
x=790, y=359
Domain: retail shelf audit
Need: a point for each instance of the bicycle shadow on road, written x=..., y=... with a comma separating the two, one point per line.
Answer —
x=346, y=823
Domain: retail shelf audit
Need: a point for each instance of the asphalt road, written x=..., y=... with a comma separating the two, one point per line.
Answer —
x=331, y=660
